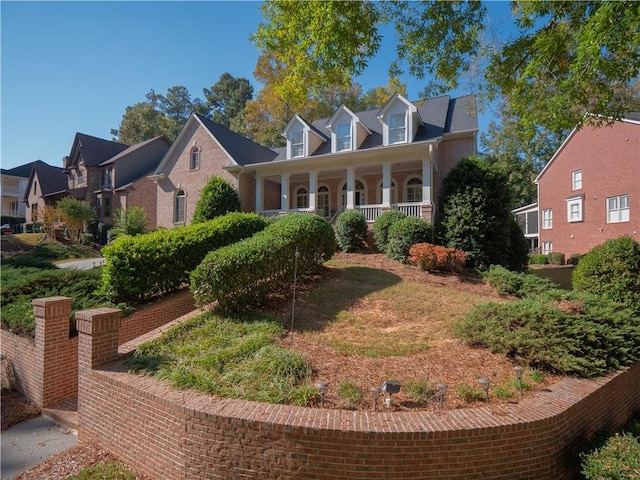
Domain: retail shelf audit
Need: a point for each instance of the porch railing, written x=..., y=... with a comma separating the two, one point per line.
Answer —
x=409, y=209
x=370, y=212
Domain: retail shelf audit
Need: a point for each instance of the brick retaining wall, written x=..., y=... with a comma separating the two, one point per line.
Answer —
x=179, y=434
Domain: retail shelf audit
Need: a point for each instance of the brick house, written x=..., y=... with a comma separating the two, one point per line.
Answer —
x=589, y=191
x=46, y=185
x=373, y=161
x=13, y=188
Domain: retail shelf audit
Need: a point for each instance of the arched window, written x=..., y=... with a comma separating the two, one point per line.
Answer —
x=413, y=189
x=302, y=197
x=324, y=204
x=359, y=193
x=194, y=163
x=179, y=207
x=392, y=198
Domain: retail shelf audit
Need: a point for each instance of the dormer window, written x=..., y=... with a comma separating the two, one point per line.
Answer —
x=297, y=144
x=343, y=135
x=398, y=128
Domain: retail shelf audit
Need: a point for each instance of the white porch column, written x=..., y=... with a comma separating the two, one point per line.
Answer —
x=351, y=186
x=284, y=192
x=427, y=167
x=386, y=185
x=313, y=187
x=259, y=199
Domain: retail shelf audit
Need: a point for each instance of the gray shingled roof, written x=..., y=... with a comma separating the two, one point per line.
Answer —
x=96, y=150
x=241, y=149
x=51, y=180
x=22, y=171
x=135, y=148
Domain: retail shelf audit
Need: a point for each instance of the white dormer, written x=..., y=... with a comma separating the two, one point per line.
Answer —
x=302, y=138
x=400, y=121
x=347, y=131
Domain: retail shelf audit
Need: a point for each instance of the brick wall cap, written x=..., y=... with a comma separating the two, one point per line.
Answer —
x=44, y=302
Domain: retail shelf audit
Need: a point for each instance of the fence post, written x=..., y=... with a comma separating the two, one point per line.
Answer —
x=56, y=367
x=98, y=332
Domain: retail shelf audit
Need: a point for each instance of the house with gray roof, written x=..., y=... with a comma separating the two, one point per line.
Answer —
x=13, y=188
x=377, y=160
x=46, y=185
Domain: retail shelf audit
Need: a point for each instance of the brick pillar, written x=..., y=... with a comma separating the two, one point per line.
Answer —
x=98, y=331
x=56, y=369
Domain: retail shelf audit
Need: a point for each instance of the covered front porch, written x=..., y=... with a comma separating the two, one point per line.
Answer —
x=373, y=184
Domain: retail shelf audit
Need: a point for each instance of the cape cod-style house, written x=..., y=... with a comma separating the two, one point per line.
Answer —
x=372, y=161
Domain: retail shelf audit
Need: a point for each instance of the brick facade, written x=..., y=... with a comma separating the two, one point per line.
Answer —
x=609, y=159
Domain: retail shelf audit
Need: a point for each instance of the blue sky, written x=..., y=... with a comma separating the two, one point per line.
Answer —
x=70, y=67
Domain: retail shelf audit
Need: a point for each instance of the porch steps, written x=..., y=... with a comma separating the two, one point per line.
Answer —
x=65, y=413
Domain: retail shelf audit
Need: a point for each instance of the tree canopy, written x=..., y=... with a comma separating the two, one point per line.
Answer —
x=568, y=58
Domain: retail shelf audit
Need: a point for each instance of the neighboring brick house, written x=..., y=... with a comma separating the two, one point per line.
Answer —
x=589, y=191
x=373, y=161
x=124, y=182
x=46, y=185
x=14, y=186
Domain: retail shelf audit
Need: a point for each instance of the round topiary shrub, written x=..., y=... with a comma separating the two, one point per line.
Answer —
x=381, y=227
x=406, y=232
x=217, y=198
x=612, y=270
x=351, y=230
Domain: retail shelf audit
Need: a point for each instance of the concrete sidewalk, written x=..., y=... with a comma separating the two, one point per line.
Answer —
x=31, y=442
x=83, y=264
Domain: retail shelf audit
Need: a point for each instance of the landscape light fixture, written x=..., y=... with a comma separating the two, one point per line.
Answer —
x=375, y=394
x=322, y=387
x=519, y=370
x=389, y=387
x=484, y=383
x=442, y=391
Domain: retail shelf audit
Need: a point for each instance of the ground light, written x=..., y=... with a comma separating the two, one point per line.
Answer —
x=390, y=387
x=484, y=383
x=519, y=370
x=322, y=387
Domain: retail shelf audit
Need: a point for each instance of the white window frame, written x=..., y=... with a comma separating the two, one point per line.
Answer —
x=194, y=159
x=397, y=130
x=107, y=177
x=324, y=193
x=302, y=196
x=547, y=219
x=179, y=206
x=576, y=180
x=80, y=176
x=574, y=216
x=344, y=137
x=297, y=145
x=617, y=209
x=413, y=191
x=547, y=247
x=393, y=197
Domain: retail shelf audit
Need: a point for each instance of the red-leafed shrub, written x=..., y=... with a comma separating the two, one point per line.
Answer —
x=435, y=257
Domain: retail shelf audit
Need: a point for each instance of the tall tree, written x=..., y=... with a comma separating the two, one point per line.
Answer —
x=227, y=99
x=569, y=58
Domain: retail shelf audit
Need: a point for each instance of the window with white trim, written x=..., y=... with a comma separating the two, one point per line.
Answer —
x=547, y=219
x=80, y=176
x=398, y=128
x=194, y=163
x=107, y=177
x=302, y=197
x=618, y=209
x=413, y=190
x=576, y=180
x=343, y=137
x=324, y=205
x=179, y=207
x=574, y=209
x=297, y=144
x=547, y=247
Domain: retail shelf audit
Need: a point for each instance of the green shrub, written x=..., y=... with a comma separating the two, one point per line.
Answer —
x=538, y=259
x=420, y=390
x=518, y=284
x=242, y=275
x=406, y=232
x=381, y=227
x=217, y=198
x=103, y=471
x=471, y=394
x=351, y=230
x=141, y=267
x=350, y=392
x=619, y=458
x=556, y=258
x=574, y=258
x=612, y=270
x=561, y=332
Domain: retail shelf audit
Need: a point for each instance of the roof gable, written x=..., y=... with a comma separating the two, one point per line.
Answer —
x=93, y=150
x=52, y=180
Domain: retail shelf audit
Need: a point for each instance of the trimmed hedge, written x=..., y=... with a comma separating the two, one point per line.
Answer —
x=556, y=258
x=538, y=259
x=518, y=284
x=432, y=258
x=242, y=275
x=351, y=230
x=381, y=227
x=141, y=267
x=406, y=232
